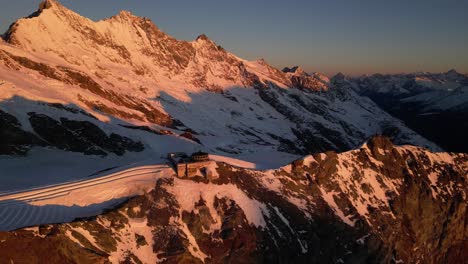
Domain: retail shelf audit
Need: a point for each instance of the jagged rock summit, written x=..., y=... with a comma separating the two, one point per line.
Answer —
x=296, y=70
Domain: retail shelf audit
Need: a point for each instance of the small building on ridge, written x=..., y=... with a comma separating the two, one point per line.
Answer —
x=198, y=164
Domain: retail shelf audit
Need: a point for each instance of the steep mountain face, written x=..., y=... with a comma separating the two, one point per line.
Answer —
x=422, y=100
x=375, y=204
x=124, y=72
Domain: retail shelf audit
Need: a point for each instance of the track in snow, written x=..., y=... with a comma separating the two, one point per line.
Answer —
x=71, y=200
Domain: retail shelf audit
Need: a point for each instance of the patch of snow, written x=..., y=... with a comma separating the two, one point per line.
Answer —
x=128, y=243
x=329, y=198
x=189, y=192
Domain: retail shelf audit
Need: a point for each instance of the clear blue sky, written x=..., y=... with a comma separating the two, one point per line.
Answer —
x=351, y=36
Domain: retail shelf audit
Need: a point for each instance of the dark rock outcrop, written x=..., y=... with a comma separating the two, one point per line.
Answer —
x=13, y=139
x=80, y=136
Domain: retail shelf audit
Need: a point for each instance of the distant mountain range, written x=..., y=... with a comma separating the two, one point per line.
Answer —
x=434, y=105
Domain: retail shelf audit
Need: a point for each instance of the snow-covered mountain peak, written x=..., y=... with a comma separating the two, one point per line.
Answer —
x=204, y=41
x=44, y=28
x=305, y=81
x=48, y=4
x=300, y=71
x=127, y=17
x=126, y=68
x=453, y=75
x=202, y=37
x=452, y=71
x=261, y=61
x=296, y=70
x=126, y=14
x=321, y=76
x=338, y=78
x=378, y=142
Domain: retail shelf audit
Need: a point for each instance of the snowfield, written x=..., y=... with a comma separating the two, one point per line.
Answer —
x=67, y=201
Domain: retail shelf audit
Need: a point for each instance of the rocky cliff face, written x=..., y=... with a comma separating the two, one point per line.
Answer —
x=378, y=203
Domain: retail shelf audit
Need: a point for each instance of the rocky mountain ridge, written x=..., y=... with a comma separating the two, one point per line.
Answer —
x=379, y=203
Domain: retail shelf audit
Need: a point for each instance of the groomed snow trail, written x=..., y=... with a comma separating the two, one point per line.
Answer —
x=68, y=201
